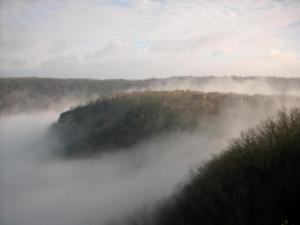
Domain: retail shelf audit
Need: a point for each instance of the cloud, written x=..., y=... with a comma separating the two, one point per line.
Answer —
x=163, y=37
x=285, y=56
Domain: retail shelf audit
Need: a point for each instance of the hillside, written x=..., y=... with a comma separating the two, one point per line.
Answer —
x=255, y=181
x=30, y=94
x=123, y=120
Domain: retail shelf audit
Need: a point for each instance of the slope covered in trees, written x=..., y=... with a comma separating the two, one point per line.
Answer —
x=29, y=94
x=123, y=120
x=255, y=181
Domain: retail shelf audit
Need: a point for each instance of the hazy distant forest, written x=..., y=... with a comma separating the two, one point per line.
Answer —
x=28, y=94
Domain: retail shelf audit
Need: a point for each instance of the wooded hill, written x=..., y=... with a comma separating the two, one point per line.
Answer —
x=123, y=120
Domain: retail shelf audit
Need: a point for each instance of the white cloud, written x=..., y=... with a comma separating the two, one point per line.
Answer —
x=139, y=38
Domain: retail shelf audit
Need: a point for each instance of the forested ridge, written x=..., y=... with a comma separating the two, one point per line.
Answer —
x=125, y=119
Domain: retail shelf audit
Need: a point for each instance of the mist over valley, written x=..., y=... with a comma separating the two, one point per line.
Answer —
x=109, y=159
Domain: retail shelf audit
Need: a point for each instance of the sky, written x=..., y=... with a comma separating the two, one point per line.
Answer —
x=140, y=39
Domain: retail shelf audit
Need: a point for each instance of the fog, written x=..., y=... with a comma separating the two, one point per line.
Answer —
x=226, y=85
x=37, y=189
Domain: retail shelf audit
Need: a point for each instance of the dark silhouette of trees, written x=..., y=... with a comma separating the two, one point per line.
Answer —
x=255, y=181
x=124, y=120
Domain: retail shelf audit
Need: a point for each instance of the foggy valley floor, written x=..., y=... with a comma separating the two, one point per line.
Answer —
x=36, y=190
x=39, y=187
